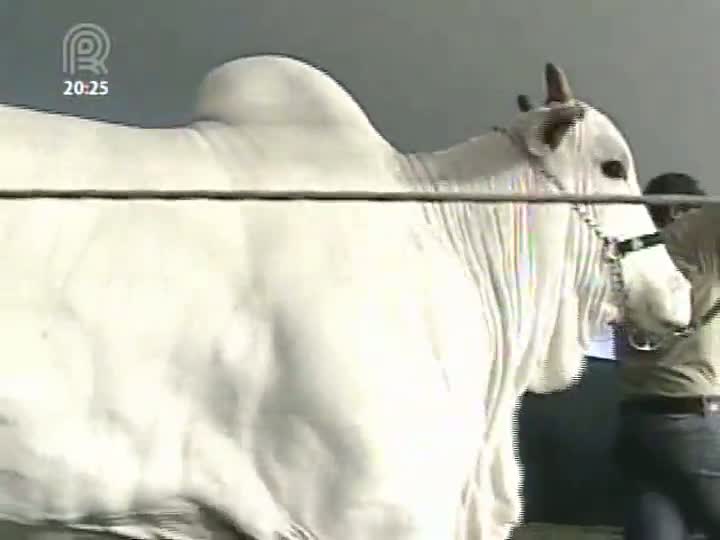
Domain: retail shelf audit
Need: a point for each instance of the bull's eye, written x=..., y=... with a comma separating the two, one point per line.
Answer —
x=614, y=169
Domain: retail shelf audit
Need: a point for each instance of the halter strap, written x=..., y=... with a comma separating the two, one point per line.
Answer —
x=639, y=242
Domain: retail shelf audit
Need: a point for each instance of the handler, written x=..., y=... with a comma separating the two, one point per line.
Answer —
x=668, y=441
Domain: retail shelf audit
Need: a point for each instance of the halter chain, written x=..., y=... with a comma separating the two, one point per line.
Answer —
x=611, y=253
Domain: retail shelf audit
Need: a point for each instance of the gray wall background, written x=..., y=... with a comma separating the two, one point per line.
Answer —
x=428, y=73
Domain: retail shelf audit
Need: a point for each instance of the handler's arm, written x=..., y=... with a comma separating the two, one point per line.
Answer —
x=693, y=241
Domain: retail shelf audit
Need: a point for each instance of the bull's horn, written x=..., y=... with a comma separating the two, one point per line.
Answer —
x=558, y=87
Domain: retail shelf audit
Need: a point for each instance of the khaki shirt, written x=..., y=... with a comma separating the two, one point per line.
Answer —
x=689, y=366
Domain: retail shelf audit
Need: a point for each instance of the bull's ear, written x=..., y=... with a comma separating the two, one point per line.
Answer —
x=524, y=103
x=551, y=126
x=559, y=122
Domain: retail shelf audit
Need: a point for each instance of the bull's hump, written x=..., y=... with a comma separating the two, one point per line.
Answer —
x=276, y=90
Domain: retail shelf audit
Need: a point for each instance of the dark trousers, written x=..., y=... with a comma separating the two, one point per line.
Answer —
x=671, y=471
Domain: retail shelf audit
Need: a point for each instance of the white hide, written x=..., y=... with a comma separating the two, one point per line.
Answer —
x=351, y=368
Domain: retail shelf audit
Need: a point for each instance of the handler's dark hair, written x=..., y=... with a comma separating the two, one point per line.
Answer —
x=670, y=183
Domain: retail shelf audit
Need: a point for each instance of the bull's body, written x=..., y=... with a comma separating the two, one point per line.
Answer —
x=333, y=366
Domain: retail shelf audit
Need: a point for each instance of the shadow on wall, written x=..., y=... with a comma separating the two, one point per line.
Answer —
x=566, y=442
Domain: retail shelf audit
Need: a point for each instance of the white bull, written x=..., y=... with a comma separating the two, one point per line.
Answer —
x=346, y=369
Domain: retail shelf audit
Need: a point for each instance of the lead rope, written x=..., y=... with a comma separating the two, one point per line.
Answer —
x=650, y=342
x=653, y=342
